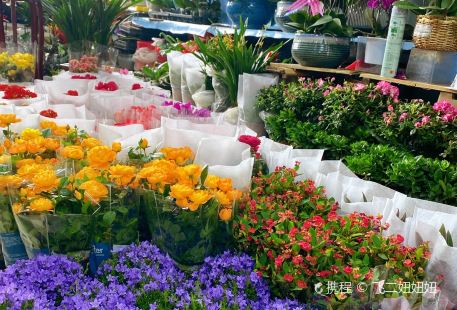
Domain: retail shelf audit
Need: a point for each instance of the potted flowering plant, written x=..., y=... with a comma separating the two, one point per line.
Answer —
x=189, y=212
x=436, y=24
x=323, y=37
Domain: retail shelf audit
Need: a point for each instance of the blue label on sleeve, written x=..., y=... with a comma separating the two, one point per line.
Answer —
x=98, y=253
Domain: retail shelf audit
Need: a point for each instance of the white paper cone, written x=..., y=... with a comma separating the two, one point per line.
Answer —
x=241, y=174
x=230, y=152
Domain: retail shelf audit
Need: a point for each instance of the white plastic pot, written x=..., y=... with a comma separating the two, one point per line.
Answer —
x=374, y=52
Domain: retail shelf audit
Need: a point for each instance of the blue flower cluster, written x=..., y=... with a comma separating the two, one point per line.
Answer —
x=139, y=277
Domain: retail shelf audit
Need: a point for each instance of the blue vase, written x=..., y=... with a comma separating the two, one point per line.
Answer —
x=257, y=12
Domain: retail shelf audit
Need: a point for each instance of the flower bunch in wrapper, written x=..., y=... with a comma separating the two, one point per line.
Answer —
x=84, y=64
x=13, y=92
x=189, y=212
x=303, y=245
x=146, y=116
x=187, y=109
x=18, y=67
x=260, y=166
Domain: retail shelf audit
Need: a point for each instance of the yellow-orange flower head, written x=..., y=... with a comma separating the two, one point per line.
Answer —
x=100, y=157
x=73, y=152
x=94, y=191
x=41, y=205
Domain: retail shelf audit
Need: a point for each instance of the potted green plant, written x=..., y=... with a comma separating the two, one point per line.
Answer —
x=323, y=39
x=436, y=25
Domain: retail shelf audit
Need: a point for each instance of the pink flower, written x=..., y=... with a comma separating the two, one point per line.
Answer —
x=408, y=263
x=320, y=82
x=403, y=116
x=418, y=124
x=305, y=246
x=288, y=277
x=326, y=93
x=425, y=120
x=124, y=71
x=360, y=87
x=390, y=108
x=315, y=6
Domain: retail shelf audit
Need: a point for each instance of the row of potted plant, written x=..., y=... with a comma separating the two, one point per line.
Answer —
x=409, y=146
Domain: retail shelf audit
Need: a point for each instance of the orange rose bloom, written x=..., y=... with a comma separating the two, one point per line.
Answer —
x=116, y=146
x=45, y=181
x=87, y=172
x=90, y=143
x=94, y=191
x=100, y=157
x=225, y=214
x=122, y=175
x=51, y=144
x=60, y=131
x=8, y=119
x=41, y=205
x=48, y=125
x=73, y=152
x=18, y=147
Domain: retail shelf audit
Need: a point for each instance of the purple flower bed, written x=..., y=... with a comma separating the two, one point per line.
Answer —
x=139, y=277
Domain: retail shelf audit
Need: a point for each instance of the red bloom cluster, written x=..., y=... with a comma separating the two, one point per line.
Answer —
x=300, y=240
x=110, y=86
x=84, y=77
x=252, y=141
x=136, y=86
x=72, y=93
x=17, y=92
x=49, y=113
x=85, y=64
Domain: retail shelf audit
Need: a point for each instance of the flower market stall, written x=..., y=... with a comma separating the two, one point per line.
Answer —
x=203, y=179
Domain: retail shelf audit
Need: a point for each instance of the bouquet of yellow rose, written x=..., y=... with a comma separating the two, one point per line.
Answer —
x=18, y=67
x=189, y=212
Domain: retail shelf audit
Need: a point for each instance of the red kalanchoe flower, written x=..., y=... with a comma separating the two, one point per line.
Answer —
x=110, y=86
x=397, y=239
x=49, y=113
x=288, y=277
x=252, y=141
x=136, y=86
x=302, y=284
x=72, y=93
x=3, y=87
x=347, y=269
x=18, y=92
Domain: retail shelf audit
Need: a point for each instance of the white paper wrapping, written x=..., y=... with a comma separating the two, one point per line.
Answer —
x=221, y=151
x=241, y=174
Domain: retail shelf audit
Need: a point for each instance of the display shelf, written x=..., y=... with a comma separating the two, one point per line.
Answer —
x=293, y=68
x=445, y=92
x=200, y=30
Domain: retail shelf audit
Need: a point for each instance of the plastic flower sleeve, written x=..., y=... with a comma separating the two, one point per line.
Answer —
x=442, y=260
x=189, y=62
x=240, y=174
x=108, y=134
x=222, y=98
x=249, y=86
x=55, y=233
x=230, y=152
x=188, y=237
x=175, y=60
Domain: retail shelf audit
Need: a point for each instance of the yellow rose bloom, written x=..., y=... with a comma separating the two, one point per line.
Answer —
x=18, y=147
x=36, y=145
x=27, y=193
x=5, y=159
x=225, y=185
x=180, y=191
x=27, y=172
x=73, y=152
x=189, y=174
x=222, y=198
x=48, y=125
x=9, y=181
x=183, y=203
x=90, y=143
x=200, y=197
x=60, y=131
x=29, y=134
x=116, y=146
x=122, y=175
x=143, y=143
x=225, y=214
x=51, y=144
x=41, y=205
x=234, y=195
x=94, y=191
x=87, y=172
x=179, y=155
x=100, y=157
x=8, y=119
x=212, y=182
x=45, y=181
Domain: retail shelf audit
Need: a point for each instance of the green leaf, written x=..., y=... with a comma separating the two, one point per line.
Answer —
x=383, y=256
x=366, y=260
x=323, y=20
x=204, y=175
x=406, y=5
x=109, y=217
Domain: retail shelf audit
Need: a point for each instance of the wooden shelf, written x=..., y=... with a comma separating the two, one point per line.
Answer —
x=440, y=88
x=296, y=67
